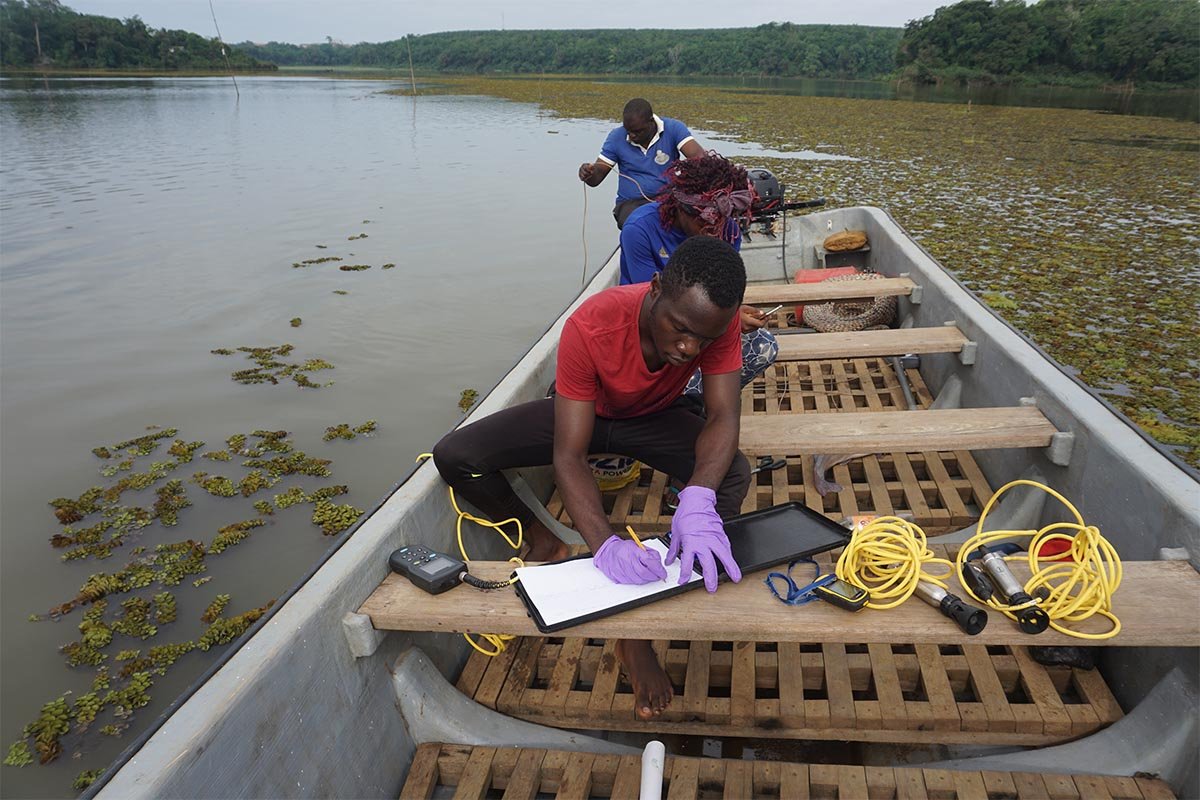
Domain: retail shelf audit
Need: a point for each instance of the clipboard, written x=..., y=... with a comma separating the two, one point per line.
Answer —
x=759, y=539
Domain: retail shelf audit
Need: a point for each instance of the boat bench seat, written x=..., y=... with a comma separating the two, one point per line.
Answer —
x=764, y=294
x=920, y=430
x=968, y=694
x=746, y=611
x=522, y=773
x=859, y=344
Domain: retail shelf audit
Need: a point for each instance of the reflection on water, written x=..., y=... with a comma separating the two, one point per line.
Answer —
x=149, y=221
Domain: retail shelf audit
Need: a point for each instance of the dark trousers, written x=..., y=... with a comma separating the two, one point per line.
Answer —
x=523, y=436
x=623, y=209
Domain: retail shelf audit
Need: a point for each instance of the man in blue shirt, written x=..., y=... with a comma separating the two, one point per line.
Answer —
x=703, y=196
x=642, y=149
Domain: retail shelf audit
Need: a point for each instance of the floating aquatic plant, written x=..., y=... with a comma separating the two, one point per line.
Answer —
x=340, y=291
x=387, y=266
x=215, y=609
x=224, y=631
x=270, y=369
x=296, y=322
x=354, y=267
x=359, y=236
x=344, y=431
x=201, y=581
x=233, y=534
x=264, y=507
x=86, y=778
x=172, y=498
x=311, y=261
x=135, y=619
x=18, y=754
x=467, y=399
x=334, y=518
x=217, y=485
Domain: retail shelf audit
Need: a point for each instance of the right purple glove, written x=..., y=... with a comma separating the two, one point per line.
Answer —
x=622, y=561
x=697, y=532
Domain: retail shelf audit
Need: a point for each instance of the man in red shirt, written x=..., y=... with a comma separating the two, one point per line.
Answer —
x=623, y=359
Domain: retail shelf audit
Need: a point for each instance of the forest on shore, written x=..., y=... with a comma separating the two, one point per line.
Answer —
x=45, y=34
x=1081, y=42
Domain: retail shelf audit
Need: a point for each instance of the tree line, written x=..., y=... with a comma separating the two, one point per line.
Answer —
x=1117, y=41
x=1051, y=41
x=45, y=33
x=775, y=49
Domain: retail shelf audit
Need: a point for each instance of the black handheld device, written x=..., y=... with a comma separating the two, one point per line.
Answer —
x=841, y=594
x=429, y=570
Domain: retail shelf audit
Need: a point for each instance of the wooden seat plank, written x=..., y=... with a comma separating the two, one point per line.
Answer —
x=422, y=774
x=629, y=777
x=476, y=776
x=526, y=776
x=576, y=783
x=769, y=294
x=746, y=611
x=857, y=344
x=888, y=431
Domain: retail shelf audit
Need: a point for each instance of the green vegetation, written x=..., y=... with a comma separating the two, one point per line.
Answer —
x=776, y=49
x=1112, y=41
x=47, y=34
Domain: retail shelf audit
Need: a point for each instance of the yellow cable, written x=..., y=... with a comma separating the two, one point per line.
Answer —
x=886, y=558
x=1078, y=588
x=497, y=640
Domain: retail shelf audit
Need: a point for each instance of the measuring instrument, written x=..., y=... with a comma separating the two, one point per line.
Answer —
x=435, y=572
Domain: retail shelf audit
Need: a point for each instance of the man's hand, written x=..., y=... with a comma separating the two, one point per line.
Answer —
x=622, y=561
x=587, y=172
x=697, y=533
x=752, y=319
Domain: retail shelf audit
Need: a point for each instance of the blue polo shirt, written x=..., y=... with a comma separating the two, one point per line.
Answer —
x=646, y=245
x=645, y=165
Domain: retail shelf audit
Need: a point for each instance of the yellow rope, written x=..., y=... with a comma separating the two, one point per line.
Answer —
x=496, y=640
x=1078, y=588
x=886, y=558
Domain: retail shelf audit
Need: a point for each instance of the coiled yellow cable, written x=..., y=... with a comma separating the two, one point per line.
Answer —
x=886, y=558
x=496, y=640
x=1078, y=588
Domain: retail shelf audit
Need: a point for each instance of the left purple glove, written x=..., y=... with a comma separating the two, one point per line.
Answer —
x=697, y=533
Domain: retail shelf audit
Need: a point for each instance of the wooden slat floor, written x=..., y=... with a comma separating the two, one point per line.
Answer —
x=925, y=693
x=517, y=773
x=942, y=491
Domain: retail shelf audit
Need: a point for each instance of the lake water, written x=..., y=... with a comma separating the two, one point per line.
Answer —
x=149, y=221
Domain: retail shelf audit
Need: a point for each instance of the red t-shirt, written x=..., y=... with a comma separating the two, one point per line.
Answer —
x=600, y=357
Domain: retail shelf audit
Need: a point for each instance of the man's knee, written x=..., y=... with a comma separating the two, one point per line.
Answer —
x=734, y=487
x=451, y=456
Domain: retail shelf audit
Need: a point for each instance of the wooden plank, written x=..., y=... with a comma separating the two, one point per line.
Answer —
x=837, y=686
x=526, y=776
x=1030, y=786
x=629, y=777
x=770, y=294
x=969, y=786
x=1041, y=691
x=576, y=783
x=604, y=686
x=793, y=781
x=521, y=674
x=695, y=683
x=1092, y=688
x=858, y=344
x=1122, y=788
x=1061, y=787
x=742, y=684
x=685, y=779
x=999, y=785
x=887, y=431
x=892, y=715
x=495, y=675
x=910, y=785
x=476, y=777
x=937, y=689
x=423, y=774
x=1154, y=789
x=566, y=671
x=747, y=612
x=791, y=685
x=881, y=783
x=1093, y=787
x=939, y=783
x=988, y=690
x=739, y=780
x=472, y=673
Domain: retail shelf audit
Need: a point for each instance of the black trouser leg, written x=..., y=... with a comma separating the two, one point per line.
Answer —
x=470, y=458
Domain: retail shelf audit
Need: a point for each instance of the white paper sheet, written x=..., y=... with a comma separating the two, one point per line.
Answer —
x=574, y=589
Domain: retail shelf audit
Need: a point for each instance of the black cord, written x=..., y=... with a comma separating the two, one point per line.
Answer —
x=471, y=580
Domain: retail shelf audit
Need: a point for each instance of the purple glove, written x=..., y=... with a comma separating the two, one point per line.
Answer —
x=696, y=530
x=622, y=561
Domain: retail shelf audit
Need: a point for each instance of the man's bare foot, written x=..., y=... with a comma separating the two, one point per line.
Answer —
x=652, y=691
x=543, y=545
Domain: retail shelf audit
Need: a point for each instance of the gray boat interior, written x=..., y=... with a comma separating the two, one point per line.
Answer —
x=318, y=704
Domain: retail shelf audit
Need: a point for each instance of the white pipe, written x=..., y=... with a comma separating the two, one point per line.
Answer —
x=653, y=758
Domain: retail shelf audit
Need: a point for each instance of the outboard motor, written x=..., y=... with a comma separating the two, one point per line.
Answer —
x=770, y=193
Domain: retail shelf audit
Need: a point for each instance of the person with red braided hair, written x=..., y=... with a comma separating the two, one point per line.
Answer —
x=703, y=197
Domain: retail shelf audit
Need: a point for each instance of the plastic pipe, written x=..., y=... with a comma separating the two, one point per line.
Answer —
x=653, y=759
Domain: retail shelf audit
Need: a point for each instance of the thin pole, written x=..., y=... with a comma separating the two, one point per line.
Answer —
x=223, y=53
x=411, y=75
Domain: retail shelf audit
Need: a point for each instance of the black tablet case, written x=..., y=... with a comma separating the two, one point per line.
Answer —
x=759, y=539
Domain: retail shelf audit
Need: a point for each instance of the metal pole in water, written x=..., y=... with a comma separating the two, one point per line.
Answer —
x=223, y=53
x=411, y=75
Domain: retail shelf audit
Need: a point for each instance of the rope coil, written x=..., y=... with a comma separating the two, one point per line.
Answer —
x=886, y=558
x=1080, y=582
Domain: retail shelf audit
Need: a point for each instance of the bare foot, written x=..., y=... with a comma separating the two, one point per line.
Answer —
x=543, y=545
x=652, y=691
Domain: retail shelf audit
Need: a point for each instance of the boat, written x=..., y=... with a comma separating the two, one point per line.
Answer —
x=317, y=701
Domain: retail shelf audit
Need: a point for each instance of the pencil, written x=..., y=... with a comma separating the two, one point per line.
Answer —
x=636, y=540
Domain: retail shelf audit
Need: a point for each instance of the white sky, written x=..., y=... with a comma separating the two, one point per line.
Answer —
x=351, y=21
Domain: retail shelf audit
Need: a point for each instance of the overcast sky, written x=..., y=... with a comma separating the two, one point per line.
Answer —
x=351, y=21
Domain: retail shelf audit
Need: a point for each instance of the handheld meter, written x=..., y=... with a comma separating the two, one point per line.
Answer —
x=431, y=571
x=841, y=594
